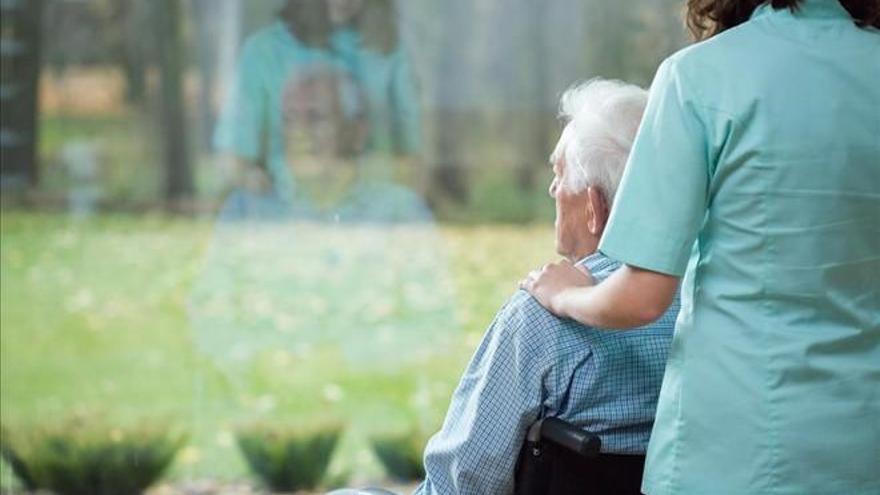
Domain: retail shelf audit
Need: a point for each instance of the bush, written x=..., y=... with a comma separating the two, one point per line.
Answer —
x=288, y=459
x=401, y=455
x=15, y=462
x=71, y=459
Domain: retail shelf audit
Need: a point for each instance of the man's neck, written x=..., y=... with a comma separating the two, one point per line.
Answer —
x=577, y=258
x=596, y=261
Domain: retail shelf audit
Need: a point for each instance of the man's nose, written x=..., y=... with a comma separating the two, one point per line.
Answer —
x=553, y=186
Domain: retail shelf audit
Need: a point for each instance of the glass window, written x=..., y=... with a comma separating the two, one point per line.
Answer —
x=232, y=229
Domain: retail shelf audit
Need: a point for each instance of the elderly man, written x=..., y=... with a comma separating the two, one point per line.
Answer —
x=532, y=364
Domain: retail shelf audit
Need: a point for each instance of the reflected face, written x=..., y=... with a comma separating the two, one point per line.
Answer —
x=321, y=138
x=573, y=213
x=313, y=119
x=343, y=11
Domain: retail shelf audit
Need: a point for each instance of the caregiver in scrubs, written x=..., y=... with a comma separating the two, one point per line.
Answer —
x=755, y=176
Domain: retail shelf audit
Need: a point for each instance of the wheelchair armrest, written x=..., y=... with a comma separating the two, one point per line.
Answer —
x=565, y=435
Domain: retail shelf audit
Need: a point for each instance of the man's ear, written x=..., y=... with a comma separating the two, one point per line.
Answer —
x=599, y=207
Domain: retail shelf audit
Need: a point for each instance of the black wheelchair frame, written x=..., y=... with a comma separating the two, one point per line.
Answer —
x=558, y=458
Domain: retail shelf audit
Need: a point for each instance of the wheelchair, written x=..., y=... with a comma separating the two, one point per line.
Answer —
x=558, y=458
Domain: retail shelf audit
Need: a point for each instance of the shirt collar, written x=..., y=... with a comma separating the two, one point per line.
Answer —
x=808, y=9
x=598, y=262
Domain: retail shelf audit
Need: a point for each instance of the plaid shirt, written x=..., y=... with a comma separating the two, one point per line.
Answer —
x=532, y=364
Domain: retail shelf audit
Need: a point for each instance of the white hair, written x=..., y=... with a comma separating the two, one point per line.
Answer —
x=602, y=118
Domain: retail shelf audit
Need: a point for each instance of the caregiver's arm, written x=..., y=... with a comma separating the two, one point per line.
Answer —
x=631, y=297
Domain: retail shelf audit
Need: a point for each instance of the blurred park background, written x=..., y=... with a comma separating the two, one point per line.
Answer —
x=114, y=239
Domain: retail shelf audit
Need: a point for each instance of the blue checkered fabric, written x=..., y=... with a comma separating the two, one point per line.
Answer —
x=532, y=364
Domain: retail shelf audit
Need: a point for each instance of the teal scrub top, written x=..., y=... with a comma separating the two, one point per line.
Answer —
x=250, y=125
x=756, y=174
x=390, y=88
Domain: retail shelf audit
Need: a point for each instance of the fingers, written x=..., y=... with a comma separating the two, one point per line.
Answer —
x=529, y=282
x=535, y=275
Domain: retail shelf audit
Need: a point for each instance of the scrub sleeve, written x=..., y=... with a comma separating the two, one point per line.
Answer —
x=242, y=124
x=661, y=202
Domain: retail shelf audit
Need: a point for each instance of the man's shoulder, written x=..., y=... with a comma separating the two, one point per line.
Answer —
x=242, y=206
x=535, y=324
x=522, y=306
x=538, y=327
x=526, y=308
x=390, y=202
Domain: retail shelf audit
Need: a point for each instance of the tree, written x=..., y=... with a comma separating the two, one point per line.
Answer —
x=21, y=56
x=178, y=171
x=448, y=173
x=536, y=142
x=130, y=48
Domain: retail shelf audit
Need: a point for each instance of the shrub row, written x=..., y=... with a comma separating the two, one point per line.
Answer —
x=76, y=459
x=287, y=459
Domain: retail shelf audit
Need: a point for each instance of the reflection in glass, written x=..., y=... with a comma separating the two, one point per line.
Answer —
x=224, y=211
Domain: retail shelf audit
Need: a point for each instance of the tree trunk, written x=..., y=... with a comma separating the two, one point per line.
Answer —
x=448, y=171
x=21, y=52
x=131, y=54
x=536, y=142
x=178, y=172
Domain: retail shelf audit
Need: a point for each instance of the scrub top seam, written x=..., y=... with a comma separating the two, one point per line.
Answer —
x=674, y=478
x=772, y=467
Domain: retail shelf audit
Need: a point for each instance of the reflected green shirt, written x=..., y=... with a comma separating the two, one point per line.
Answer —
x=756, y=174
x=390, y=89
x=250, y=125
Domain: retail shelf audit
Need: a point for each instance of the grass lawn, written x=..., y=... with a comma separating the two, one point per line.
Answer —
x=94, y=325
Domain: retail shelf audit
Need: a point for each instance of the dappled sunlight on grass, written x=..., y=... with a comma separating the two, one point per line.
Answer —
x=95, y=323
